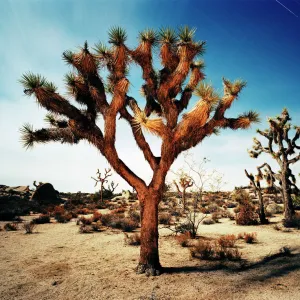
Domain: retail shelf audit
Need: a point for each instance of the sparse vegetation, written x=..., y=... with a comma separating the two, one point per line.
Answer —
x=29, y=227
x=11, y=227
x=132, y=239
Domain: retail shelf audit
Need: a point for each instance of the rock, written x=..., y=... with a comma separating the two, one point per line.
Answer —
x=126, y=195
x=274, y=208
x=46, y=194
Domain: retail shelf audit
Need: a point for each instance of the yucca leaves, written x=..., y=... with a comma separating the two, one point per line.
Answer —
x=149, y=35
x=186, y=34
x=117, y=36
x=32, y=81
x=27, y=137
x=252, y=116
x=167, y=35
x=68, y=57
x=233, y=88
x=207, y=93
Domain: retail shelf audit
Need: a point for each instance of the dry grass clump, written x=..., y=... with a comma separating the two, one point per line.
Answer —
x=42, y=219
x=227, y=241
x=60, y=215
x=213, y=251
x=183, y=239
x=85, y=221
x=11, y=227
x=85, y=229
x=29, y=227
x=247, y=214
x=83, y=211
x=249, y=238
x=134, y=215
x=164, y=218
x=133, y=239
x=96, y=216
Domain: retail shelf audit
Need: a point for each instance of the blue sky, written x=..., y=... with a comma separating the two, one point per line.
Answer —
x=257, y=40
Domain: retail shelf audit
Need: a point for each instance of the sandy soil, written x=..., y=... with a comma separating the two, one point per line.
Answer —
x=59, y=263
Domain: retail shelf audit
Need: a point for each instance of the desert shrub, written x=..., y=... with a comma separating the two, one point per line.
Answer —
x=64, y=218
x=228, y=253
x=227, y=241
x=83, y=211
x=249, y=238
x=203, y=250
x=216, y=216
x=183, y=239
x=208, y=221
x=212, y=208
x=11, y=227
x=205, y=210
x=133, y=239
x=85, y=221
x=73, y=213
x=128, y=225
x=42, y=219
x=220, y=202
x=184, y=227
x=107, y=219
x=293, y=223
x=134, y=215
x=85, y=229
x=29, y=227
x=120, y=210
x=164, y=218
x=213, y=251
x=247, y=215
x=240, y=196
x=296, y=201
x=97, y=226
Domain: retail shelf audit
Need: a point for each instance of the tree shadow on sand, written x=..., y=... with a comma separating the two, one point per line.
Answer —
x=272, y=266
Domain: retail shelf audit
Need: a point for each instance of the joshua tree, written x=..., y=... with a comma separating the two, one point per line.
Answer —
x=102, y=181
x=255, y=182
x=284, y=150
x=166, y=94
x=185, y=182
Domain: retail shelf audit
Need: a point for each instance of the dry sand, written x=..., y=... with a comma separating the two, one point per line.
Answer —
x=59, y=263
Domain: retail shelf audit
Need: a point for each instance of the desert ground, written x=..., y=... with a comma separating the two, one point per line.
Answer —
x=57, y=262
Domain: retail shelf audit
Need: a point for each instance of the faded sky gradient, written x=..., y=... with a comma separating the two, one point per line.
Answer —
x=257, y=40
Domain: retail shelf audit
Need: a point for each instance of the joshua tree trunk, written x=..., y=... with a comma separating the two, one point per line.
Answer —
x=262, y=215
x=149, y=257
x=257, y=188
x=289, y=211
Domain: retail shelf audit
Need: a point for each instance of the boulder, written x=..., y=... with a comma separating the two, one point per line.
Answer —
x=46, y=194
x=126, y=195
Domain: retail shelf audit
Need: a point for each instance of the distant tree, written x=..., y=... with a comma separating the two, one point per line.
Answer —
x=255, y=183
x=178, y=53
x=184, y=182
x=284, y=151
x=102, y=179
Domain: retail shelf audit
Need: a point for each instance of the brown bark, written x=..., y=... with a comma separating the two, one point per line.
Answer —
x=262, y=215
x=149, y=256
x=289, y=210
